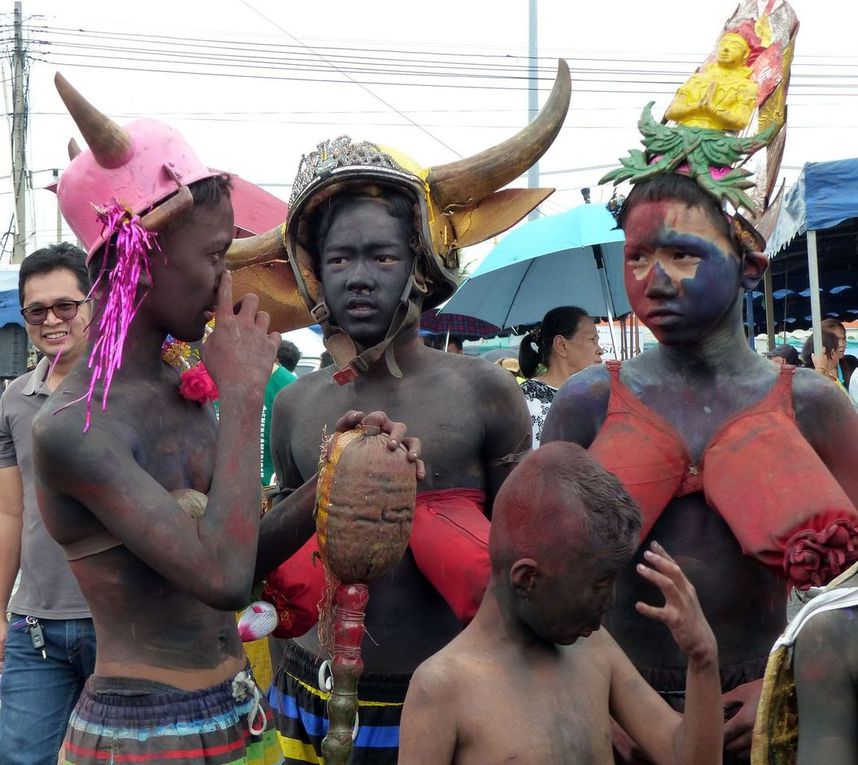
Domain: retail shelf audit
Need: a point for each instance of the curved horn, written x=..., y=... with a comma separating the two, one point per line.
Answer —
x=73, y=148
x=109, y=143
x=250, y=250
x=176, y=206
x=469, y=180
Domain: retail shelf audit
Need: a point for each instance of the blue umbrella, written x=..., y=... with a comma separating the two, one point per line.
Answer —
x=574, y=258
x=10, y=307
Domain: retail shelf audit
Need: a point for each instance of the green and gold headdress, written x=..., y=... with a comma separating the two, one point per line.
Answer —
x=705, y=132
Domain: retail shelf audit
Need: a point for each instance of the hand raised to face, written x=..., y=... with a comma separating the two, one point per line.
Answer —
x=240, y=352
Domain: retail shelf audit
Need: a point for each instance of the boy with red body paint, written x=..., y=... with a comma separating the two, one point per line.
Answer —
x=702, y=392
x=536, y=637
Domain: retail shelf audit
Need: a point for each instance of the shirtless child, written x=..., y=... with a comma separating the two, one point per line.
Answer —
x=154, y=501
x=374, y=241
x=536, y=637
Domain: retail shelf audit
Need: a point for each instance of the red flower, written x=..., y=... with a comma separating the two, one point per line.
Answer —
x=196, y=384
x=814, y=558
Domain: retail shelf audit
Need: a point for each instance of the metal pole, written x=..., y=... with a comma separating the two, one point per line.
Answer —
x=770, y=307
x=610, y=323
x=607, y=295
x=815, y=306
x=19, y=128
x=637, y=348
x=532, y=93
x=599, y=257
x=749, y=320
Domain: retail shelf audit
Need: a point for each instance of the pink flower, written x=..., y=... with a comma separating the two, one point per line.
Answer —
x=196, y=384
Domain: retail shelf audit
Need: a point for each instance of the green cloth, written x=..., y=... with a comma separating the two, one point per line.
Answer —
x=280, y=378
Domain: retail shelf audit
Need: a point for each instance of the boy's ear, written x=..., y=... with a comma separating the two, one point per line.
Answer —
x=751, y=247
x=522, y=577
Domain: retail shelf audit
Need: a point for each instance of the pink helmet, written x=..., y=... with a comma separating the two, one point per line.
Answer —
x=137, y=166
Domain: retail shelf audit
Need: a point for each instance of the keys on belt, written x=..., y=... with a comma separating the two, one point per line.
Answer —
x=37, y=635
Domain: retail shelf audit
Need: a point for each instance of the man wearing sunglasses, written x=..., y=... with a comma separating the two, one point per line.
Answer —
x=41, y=682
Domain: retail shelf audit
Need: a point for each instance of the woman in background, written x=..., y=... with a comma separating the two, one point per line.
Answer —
x=846, y=364
x=827, y=362
x=565, y=343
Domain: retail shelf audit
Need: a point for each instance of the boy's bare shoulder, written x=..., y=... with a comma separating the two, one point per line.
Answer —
x=598, y=656
x=466, y=365
x=59, y=435
x=461, y=660
x=492, y=388
x=458, y=665
x=579, y=407
x=448, y=666
x=601, y=646
x=816, y=399
x=826, y=655
x=832, y=630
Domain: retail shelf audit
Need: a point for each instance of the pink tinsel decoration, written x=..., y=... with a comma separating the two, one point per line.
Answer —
x=120, y=302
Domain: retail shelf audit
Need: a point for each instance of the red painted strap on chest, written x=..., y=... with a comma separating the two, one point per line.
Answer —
x=759, y=473
x=345, y=375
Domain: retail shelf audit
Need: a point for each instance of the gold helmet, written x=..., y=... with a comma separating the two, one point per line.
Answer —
x=456, y=205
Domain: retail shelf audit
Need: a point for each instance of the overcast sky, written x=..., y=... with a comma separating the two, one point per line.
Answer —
x=437, y=81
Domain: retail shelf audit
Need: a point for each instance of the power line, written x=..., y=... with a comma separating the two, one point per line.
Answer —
x=360, y=85
x=219, y=43
x=410, y=84
x=251, y=120
x=494, y=66
x=624, y=74
x=329, y=51
x=392, y=67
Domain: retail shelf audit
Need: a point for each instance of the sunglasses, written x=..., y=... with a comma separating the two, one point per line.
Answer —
x=64, y=310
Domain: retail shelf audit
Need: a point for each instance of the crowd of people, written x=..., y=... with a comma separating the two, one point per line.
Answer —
x=833, y=362
x=673, y=498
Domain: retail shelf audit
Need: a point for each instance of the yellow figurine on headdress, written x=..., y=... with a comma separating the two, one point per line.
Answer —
x=705, y=131
x=722, y=95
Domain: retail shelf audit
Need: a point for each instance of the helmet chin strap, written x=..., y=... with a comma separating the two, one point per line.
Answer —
x=353, y=360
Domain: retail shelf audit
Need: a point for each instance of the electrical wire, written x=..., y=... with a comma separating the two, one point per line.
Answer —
x=496, y=66
x=380, y=65
x=219, y=43
x=363, y=86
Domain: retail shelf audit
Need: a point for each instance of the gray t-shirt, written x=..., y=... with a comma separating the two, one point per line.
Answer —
x=47, y=589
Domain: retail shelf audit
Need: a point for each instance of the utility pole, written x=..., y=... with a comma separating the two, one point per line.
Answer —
x=532, y=94
x=19, y=133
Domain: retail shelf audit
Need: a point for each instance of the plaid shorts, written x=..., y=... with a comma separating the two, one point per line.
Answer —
x=128, y=720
